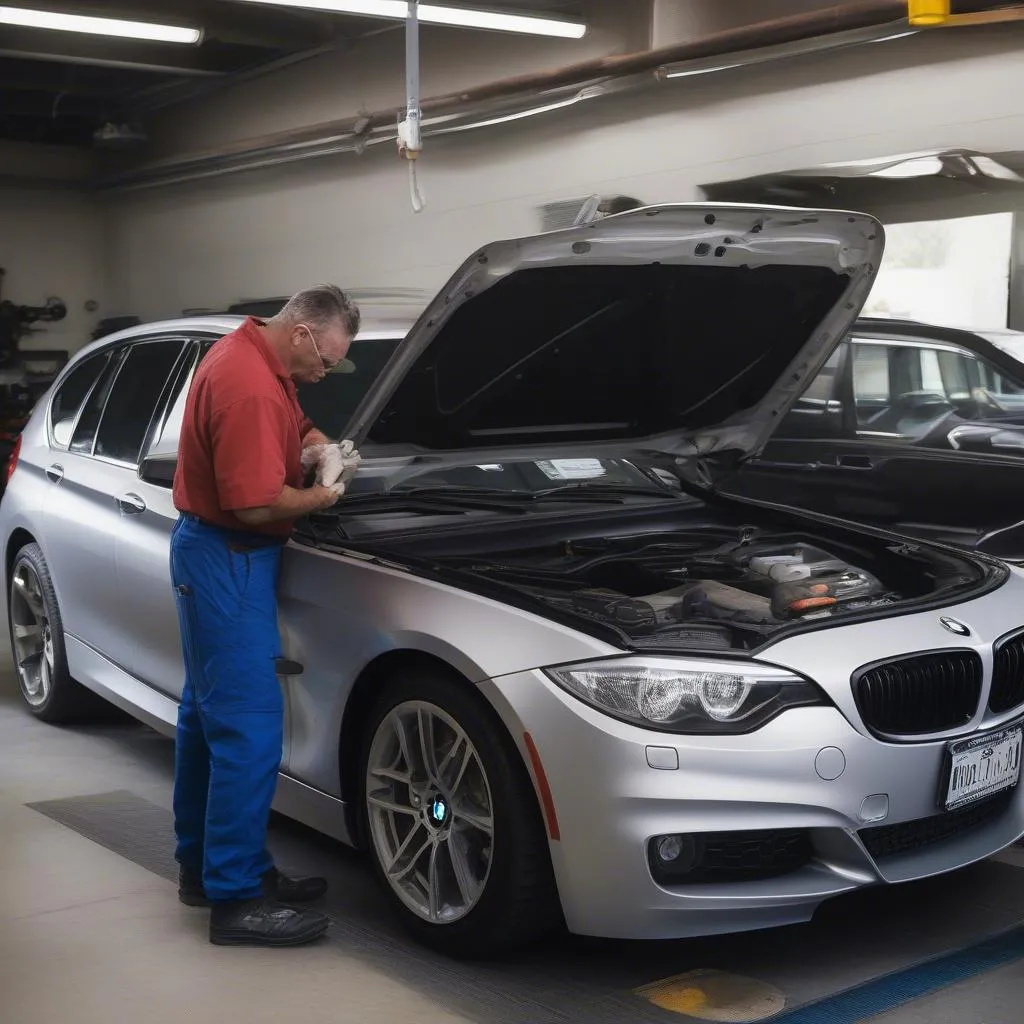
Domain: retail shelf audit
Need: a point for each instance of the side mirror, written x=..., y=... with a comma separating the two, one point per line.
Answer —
x=159, y=470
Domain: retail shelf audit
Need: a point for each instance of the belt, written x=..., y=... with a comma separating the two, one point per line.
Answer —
x=236, y=538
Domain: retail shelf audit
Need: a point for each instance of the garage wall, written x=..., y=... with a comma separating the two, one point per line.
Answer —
x=52, y=239
x=348, y=218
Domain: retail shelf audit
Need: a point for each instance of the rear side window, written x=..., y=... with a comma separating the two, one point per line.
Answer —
x=134, y=398
x=85, y=429
x=71, y=395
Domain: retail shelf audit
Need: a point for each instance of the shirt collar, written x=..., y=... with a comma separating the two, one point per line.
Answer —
x=251, y=331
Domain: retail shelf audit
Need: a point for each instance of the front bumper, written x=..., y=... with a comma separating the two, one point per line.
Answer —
x=610, y=803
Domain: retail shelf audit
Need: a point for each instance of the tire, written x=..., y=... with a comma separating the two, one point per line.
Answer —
x=513, y=896
x=44, y=682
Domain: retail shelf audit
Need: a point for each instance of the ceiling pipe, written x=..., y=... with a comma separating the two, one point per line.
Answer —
x=545, y=90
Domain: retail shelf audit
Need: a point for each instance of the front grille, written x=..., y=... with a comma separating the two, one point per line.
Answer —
x=733, y=857
x=924, y=693
x=884, y=841
x=1007, y=675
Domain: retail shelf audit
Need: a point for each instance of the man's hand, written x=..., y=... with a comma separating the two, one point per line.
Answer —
x=324, y=497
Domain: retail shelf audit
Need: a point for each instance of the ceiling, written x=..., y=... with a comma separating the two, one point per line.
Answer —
x=63, y=87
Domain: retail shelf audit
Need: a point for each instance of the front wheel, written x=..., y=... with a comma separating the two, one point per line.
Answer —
x=454, y=829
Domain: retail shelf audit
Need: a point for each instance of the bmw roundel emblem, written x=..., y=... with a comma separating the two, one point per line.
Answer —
x=439, y=811
x=955, y=627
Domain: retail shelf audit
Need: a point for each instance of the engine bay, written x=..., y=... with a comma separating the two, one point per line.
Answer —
x=712, y=588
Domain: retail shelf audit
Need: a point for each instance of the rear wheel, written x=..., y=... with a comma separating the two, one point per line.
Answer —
x=37, y=643
x=452, y=822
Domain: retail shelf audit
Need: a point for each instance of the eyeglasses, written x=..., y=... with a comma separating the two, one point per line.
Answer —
x=327, y=366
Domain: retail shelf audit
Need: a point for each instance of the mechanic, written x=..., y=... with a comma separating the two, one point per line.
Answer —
x=246, y=448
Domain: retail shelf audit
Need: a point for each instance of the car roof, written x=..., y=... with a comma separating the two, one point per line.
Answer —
x=378, y=323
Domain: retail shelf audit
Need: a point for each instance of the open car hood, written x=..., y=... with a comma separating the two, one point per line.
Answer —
x=686, y=329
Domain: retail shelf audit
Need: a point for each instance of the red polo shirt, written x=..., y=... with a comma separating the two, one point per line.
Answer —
x=241, y=437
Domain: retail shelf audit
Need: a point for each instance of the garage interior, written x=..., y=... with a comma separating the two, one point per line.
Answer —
x=146, y=180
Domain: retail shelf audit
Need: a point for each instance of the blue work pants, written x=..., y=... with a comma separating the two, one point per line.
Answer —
x=231, y=716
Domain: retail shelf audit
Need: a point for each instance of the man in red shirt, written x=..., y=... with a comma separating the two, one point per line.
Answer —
x=239, y=487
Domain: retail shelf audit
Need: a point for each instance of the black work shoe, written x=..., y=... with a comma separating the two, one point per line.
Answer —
x=293, y=890
x=264, y=922
x=275, y=885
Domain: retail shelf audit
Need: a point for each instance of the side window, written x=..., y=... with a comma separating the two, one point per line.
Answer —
x=817, y=412
x=85, y=430
x=134, y=398
x=331, y=403
x=71, y=395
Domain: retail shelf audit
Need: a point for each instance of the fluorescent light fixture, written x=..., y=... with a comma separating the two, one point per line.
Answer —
x=26, y=18
x=434, y=14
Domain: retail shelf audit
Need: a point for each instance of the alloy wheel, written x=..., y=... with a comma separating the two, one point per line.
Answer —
x=430, y=812
x=33, y=640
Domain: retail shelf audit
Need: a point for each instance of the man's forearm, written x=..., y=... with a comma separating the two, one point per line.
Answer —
x=291, y=504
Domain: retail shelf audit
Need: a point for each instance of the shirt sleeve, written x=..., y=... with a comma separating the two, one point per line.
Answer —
x=248, y=438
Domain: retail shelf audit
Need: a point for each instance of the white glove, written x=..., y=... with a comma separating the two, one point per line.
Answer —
x=337, y=464
x=311, y=456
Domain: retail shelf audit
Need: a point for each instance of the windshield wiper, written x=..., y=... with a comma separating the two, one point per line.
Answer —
x=585, y=491
x=443, y=500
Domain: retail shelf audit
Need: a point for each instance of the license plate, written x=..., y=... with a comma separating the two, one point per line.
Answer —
x=982, y=766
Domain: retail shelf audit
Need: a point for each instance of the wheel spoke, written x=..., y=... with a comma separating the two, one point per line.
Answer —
x=471, y=817
x=392, y=870
x=391, y=775
x=28, y=632
x=425, y=722
x=467, y=759
x=384, y=804
x=461, y=743
x=398, y=724
x=469, y=887
x=434, y=884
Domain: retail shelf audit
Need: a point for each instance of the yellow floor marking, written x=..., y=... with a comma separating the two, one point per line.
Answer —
x=715, y=996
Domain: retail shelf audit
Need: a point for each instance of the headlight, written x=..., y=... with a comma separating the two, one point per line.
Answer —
x=688, y=696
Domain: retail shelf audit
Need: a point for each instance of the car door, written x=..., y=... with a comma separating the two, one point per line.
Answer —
x=143, y=542
x=92, y=480
x=916, y=440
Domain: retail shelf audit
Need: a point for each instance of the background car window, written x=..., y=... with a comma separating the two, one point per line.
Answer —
x=134, y=398
x=871, y=384
x=816, y=412
x=331, y=403
x=85, y=429
x=72, y=393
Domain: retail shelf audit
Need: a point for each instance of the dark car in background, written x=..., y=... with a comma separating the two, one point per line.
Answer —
x=916, y=428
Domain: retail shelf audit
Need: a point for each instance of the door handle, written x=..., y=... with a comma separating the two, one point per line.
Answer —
x=854, y=462
x=55, y=473
x=131, y=504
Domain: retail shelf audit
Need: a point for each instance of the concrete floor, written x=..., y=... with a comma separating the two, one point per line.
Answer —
x=91, y=930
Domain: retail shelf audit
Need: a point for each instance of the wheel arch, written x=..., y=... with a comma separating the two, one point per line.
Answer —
x=18, y=539
x=360, y=703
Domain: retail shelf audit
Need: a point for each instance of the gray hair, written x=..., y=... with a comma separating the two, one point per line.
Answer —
x=320, y=308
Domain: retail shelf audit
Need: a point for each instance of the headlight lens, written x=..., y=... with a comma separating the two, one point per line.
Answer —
x=688, y=696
